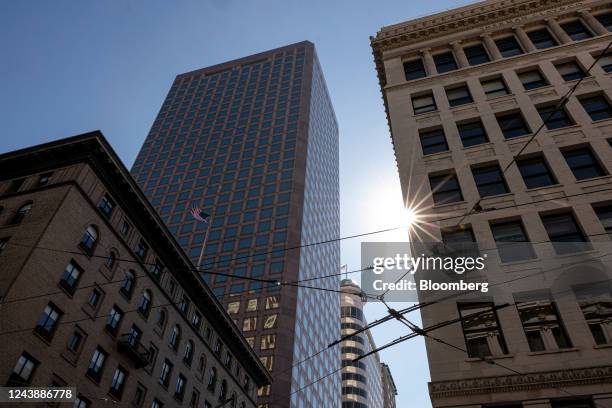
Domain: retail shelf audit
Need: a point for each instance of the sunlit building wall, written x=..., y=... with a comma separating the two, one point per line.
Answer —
x=464, y=91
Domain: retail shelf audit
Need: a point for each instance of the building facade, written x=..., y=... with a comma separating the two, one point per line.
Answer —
x=465, y=91
x=254, y=143
x=97, y=294
x=364, y=383
x=389, y=388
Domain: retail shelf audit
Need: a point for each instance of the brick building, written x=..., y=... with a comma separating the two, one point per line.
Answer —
x=464, y=91
x=97, y=294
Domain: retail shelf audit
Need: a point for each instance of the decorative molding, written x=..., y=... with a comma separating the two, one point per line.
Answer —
x=527, y=382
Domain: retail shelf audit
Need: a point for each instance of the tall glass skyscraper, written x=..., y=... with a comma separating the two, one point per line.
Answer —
x=254, y=143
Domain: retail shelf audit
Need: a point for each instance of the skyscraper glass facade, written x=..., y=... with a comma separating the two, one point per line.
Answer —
x=254, y=143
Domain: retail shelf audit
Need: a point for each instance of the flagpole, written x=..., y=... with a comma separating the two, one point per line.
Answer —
x=208, y=222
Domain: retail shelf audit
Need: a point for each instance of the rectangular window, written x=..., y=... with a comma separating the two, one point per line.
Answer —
x=576, y=30
x=494, y=87
x=433, y=141
x=605, y=20
x=508, y=47
x=542, y=39
x=472, y=133
x=564, y=232
x=605, y=62
x=196, y=320
x=179, y=390
x=23, y=371
x=96, y=364
x=535, y=172
x=511, y=241
x=139, y=396
x=165, y=373
x=125, y=228
x=424, y=103
x=445, y=62
x=107, y=205
x=118, y=382
x=414, y=69
x=605, y=217
x=597, y=107
x=570, y=71
x=75, y=341
x=583, y=163
x=113, y=320
x=71, y=276
x=458, y=95
x=542, y=325
x=489, y=180
x=554, y=118
x=94, y=298
x=476, y=54
x=141, y=249
x=512, y=125
x=481, y=330
x=532, y=79
x=184, y=305
x=445, y=188
x=47, y=322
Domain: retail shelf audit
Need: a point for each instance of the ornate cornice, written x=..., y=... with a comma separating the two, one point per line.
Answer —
x=485, y=16
x=515, y=382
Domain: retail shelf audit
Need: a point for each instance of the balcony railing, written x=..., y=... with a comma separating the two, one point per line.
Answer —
x=131, y=346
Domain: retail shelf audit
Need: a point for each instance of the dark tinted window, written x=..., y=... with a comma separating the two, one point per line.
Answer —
x=458, y=95
x=554, y=118
x=472, y=133
x=511, y=241
x=476, y=54
x=542, y=38
x=445, y=188
x=445, y=62
x=414, y=69
x=562, y=228
x=570, y=71
x=494, y=87
x=597, y=107
x=489, y=180
x=535, y=172
x=532, y=79
x=583, y=163
x=512, y=125
x=605, y=20
x=605, y=217
x=423, y=103
x=433, y=141
x=508, y=47
x=606, y=62
x=576, y=30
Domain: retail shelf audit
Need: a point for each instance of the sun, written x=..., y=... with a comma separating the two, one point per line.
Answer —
x=410, y=217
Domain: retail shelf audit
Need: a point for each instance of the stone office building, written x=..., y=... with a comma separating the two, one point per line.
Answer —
x=97, y=294
x=464, y=91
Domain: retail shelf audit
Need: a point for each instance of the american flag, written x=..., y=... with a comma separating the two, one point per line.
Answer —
x=199, y=214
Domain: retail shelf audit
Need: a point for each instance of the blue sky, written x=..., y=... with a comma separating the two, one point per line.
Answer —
x=72, y=67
